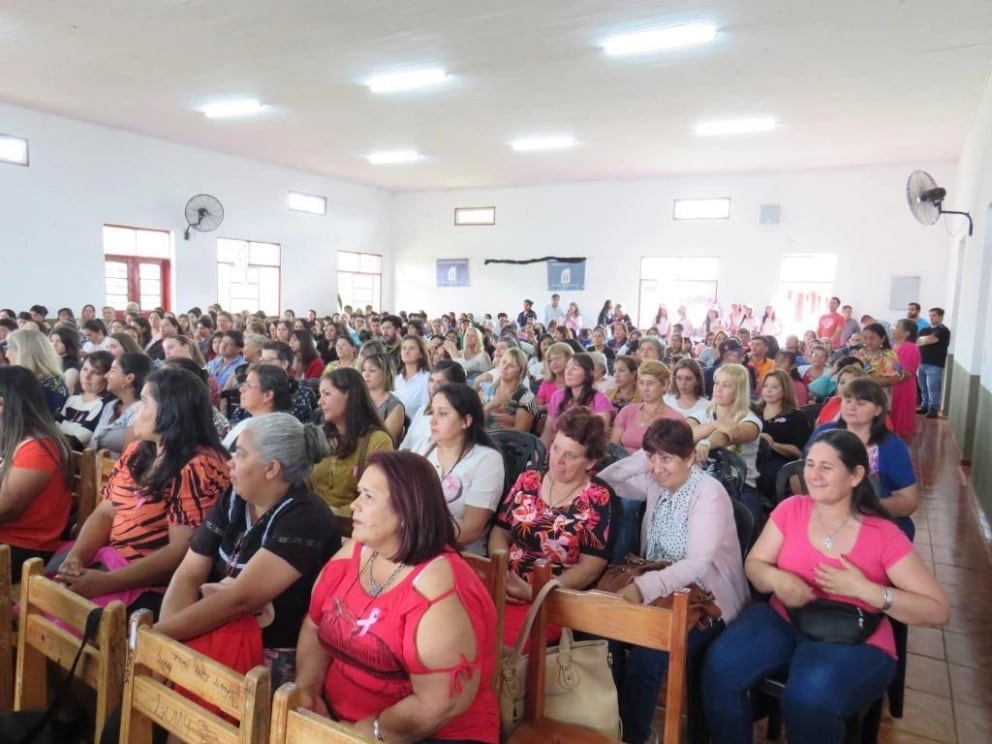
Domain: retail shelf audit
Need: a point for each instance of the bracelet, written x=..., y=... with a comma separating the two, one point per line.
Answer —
x=377, y=729
x=887, y=599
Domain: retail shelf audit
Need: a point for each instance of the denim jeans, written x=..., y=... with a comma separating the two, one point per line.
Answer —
x=638, y=673
x=827, y=682
x=930, y=377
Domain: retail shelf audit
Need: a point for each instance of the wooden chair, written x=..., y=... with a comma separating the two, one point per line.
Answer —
x=608, y=616
x=292, y=724
x=40, y=639
x=105, y=464
x=492, y=571
x=156, y=662
x=86, y=485
x=7, y=634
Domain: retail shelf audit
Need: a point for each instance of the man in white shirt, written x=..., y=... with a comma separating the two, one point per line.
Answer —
x=554, y=311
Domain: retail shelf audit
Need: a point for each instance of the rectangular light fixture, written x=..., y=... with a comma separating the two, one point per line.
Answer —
x=736, y=126
x=409, y=80
x=702, y=209
x=391, y=157
x=532, y=144
x=307, y=203
x=670, y=37
x=13, y=150
x=475, y=216
x=241, y=107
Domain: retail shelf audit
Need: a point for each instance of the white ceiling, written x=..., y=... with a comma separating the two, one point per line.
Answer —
x=852, y=81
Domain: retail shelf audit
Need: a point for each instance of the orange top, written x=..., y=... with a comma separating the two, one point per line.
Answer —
x=142, y=520
x=40, y=525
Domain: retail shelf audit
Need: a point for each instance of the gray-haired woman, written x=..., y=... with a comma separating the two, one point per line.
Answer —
x=255, y=558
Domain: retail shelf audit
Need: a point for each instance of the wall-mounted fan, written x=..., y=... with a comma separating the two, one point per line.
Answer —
x=926, y=199
x=204, y=213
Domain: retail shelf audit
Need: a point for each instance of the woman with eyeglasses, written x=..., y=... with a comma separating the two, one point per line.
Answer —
x=266, y=389
x=467, y=461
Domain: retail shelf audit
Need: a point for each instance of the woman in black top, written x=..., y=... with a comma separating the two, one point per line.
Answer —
x=257, y=555
x=784, y=429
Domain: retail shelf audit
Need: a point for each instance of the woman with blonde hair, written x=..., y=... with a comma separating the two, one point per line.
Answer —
x=472, y=356
x=32, y=350
x=508, y=403
x=633, y=421
x=555, y=359
x=729, y=422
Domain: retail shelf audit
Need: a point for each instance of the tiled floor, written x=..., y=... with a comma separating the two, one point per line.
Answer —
x=949, y=671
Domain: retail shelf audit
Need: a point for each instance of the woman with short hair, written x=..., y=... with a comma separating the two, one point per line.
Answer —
x=632, y=422
x=266, y=389
x=81, y=413
x=377, y=372
x=400, y=642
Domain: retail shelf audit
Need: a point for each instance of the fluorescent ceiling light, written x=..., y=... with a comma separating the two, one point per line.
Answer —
x=307, y=203
x=389, y=157
x=736, y=126
x=13, y=150
x=702, y=209
x=670, y=37
x=241, y=107
x=531, y=144
x=407, y=80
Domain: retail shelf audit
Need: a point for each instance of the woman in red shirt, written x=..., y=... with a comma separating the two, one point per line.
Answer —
x=400, y=641
x=35, y=470
x=307, y=364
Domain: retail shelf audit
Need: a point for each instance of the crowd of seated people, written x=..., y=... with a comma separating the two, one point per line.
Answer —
x=248, y=447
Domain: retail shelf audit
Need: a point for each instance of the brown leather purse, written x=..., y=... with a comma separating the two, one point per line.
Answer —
x=703, y=609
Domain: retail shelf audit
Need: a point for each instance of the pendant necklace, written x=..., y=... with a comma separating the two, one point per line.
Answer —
x=828, y=541
x=375, y=588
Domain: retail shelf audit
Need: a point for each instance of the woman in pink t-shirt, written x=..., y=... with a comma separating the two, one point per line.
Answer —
x=836, y=544
x=632, y=422
x=578, y=391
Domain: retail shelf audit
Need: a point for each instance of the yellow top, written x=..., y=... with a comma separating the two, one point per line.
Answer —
x=335, y=479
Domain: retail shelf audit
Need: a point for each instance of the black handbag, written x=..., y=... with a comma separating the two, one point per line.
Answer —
x=43, y=726
x=834, y=622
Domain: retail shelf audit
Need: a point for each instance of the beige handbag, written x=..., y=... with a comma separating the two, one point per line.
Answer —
x=578, y=683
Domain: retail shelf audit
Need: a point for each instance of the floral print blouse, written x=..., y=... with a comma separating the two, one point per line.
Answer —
x=559, y=535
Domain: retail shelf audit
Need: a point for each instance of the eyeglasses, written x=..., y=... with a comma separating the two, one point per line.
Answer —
x=245, y=385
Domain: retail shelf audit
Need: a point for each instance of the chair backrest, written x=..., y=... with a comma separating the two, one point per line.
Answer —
x=86, y=484
x=292, y=724
x=51, y=622
x=811, y=411
x=782, y=488
x=105, y=464
x=744, y=520
x=6, y=632
x=520, y=452
x=610, y=616
x=727, y=467
x=614, y=452
x=156, y=662
x=492, y=571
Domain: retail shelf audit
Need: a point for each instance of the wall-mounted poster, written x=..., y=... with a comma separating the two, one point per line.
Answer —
x=452, y=272
x=564, y=276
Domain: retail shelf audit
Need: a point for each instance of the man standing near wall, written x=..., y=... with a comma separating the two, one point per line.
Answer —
x=527, y=314
x=850, y=324
x=934, y=343
x=554, y=311
x=913, y=313
x=831, y=324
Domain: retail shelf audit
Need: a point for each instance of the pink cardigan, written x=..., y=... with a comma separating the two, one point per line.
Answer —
x=713, y=554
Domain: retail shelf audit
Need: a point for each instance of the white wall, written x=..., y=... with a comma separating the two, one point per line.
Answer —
x=858, y=213
x=84, y=175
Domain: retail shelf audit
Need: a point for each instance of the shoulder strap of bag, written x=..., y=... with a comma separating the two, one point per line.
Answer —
x=89, y=632
x=518, y=648
x=363, y=453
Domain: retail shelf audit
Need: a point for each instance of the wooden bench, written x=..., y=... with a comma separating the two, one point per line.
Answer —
x=292, y=724
x=41, y=639
x=607, y=616
x=85, y=487
x=156, y=662
x=492, y=571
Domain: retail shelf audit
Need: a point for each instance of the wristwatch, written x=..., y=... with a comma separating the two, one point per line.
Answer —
x=377, y=729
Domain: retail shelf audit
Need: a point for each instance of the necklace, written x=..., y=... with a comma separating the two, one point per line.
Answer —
x=828, y=541
x=551, y=494
x=375, y=588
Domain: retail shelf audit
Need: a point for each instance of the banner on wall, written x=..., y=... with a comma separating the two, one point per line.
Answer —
x=452, y=272
x=566, y=276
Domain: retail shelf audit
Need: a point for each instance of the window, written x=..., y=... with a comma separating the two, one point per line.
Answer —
x=675, y=281
x=307, y=203
x=702, y=209
x=136, y=266
x=806, y=284
x=13, y=150
x=475, y=216
x=248, y=275
x=359, y=279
